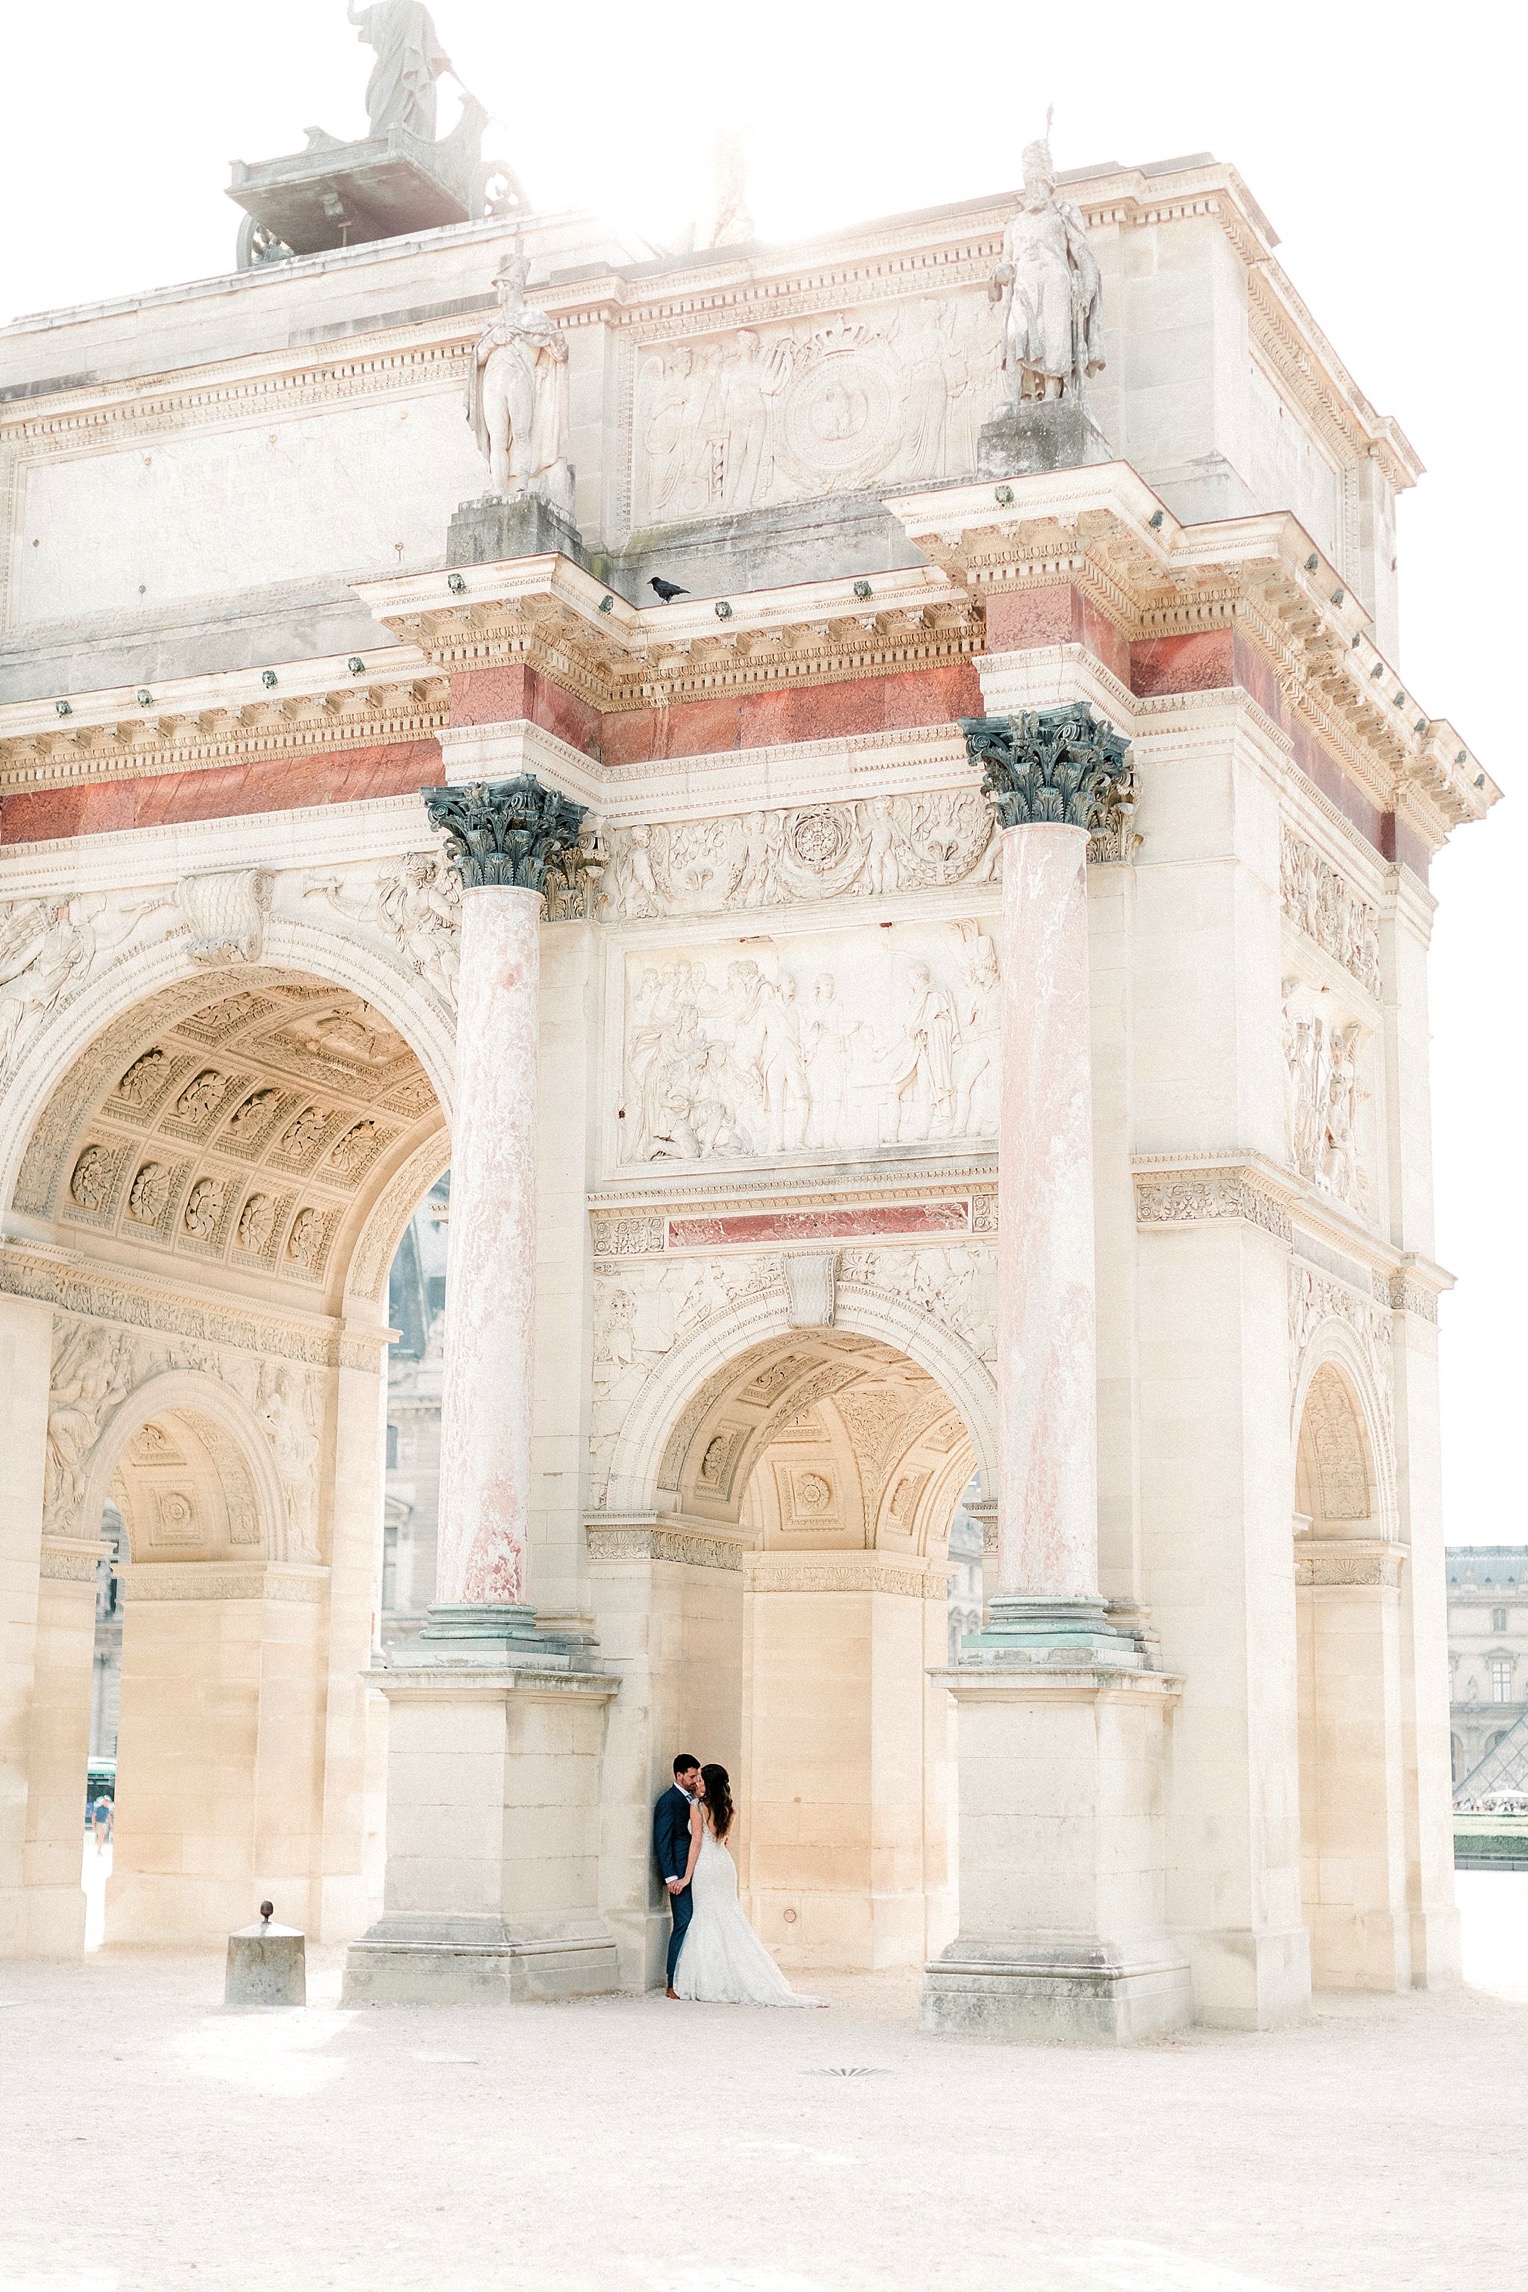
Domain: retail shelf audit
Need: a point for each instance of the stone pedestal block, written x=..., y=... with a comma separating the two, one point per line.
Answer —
x=1040, y=434
x=1062, y=1858
x=489, y=531
x=492, y=1887
x=267, y=1966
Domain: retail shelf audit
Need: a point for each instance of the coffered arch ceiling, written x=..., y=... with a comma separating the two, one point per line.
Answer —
x=237, y=1127
x=823, y=1441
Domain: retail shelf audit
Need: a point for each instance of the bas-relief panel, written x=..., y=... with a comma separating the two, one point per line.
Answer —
x=200, y=514
x=839, y=1040
x=1328, y=1057
x=872, y=397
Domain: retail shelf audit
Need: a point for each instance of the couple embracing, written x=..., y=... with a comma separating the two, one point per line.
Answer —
x=714, y=1955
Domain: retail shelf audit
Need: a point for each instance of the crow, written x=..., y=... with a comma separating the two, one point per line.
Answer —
x=667, y=590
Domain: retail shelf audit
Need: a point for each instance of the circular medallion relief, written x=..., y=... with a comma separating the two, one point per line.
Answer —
x=838, y=421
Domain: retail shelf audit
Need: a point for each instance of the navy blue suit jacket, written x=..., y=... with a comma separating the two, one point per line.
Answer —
x=671, y=1832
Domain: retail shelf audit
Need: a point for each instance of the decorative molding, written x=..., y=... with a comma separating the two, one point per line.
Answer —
x=617, y=1236
x=1195, y=1197
x=210, y=1580
x=776, y=1571
x=208, y=730
x=1408, y=1294
x=1322, y=904
x=626, y=1541
x=1356, y=1561
x=504, y=833
x=72, y=1559
x=172, y=1313
x=1055, y=766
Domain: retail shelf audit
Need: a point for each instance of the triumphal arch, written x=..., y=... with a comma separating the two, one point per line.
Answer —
x=936, y=988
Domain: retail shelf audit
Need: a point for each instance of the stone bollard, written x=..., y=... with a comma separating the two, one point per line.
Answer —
x=267, y=1965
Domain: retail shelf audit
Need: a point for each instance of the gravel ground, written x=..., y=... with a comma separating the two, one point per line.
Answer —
x=149, y=2138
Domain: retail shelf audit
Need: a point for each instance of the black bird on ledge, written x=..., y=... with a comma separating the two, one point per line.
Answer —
x=667, y=590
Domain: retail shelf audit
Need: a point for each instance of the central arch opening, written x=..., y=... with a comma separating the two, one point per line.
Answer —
x=838, y=1464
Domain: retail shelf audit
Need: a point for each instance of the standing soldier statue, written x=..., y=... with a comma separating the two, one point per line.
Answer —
x=1053, y=325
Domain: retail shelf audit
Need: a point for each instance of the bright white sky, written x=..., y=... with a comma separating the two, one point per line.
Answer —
x=1383, y=141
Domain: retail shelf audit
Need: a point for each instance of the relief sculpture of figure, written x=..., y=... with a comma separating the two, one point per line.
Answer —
x=1053, y=322
x=410, y=59
x=517, y=397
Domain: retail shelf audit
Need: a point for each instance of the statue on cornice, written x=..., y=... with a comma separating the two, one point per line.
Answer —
x=517, y=397
x=1053, y=320
x=410, y=59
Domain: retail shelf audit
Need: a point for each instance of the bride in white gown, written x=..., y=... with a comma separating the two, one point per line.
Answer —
x=723, y=1962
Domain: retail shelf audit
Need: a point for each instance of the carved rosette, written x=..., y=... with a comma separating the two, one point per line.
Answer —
x=504, y=833
x=1062, y=767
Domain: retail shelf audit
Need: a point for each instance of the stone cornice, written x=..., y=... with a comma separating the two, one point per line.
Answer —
x=1198, y=1189
x=197, y=723
x=547, y=614
x=1106, y=533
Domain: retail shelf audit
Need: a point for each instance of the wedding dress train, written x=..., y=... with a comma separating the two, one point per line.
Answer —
x=723, y=1962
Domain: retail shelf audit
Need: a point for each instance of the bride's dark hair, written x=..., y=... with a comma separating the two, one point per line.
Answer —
x=718, y=1799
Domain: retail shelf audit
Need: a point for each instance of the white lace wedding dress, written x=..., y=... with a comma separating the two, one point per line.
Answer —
x=723, y=1962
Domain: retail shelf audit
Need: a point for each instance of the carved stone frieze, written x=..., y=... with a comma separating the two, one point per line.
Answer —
x=955, y=1287
x=1360, y=1562
x=1189, y=1197
x=118, y=1298
x=504, y=832
x=689, y=1547
x=71, y=1559
x=1062, y=766
x=1408, y=1295
x=848, y=1572
x=811, y=1046
x=1320, y=902
x=616, y=1236
x=205, y=1580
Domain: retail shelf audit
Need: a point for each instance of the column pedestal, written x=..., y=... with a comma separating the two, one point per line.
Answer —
x=493, y=1786
x=1062, y=1910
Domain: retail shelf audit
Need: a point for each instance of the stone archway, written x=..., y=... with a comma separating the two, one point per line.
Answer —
x=195, y=1214
x=1348, y=1623
x=794, y=1575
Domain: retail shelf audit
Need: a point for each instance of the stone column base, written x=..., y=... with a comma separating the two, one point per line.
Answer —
x=493, y=1799
x=1090, y=1994
x=468, y=1961
x=1062, y=1853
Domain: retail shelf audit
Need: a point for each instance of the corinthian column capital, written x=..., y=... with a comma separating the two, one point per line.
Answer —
x=1060, y=766
x=504, y=832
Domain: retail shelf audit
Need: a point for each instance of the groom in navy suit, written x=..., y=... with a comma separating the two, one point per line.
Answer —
x=671, y=1844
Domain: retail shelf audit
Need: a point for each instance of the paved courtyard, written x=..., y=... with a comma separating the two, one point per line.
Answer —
x=149, y=2139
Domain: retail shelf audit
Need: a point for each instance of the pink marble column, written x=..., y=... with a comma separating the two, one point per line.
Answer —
x=1048, y=1492
x=500, y=835
x=1051, y=776
x=485, y=1471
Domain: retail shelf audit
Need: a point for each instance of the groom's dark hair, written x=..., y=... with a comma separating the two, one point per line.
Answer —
x=684, y=1762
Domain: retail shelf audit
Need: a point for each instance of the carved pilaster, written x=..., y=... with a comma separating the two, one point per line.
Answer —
x=504, y=832
x=1062, y=766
